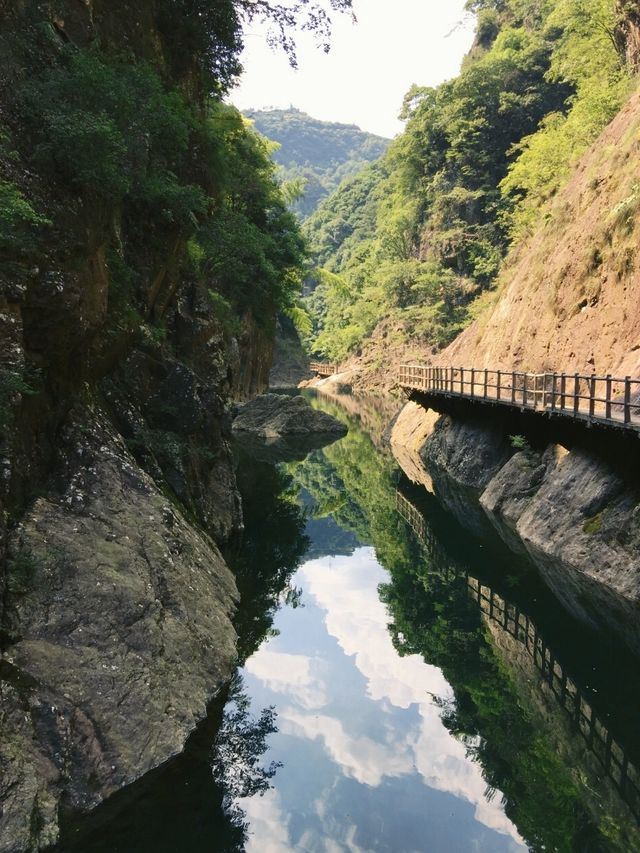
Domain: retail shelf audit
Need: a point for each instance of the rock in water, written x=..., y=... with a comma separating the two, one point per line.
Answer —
x=272, y=416
x=117, y=614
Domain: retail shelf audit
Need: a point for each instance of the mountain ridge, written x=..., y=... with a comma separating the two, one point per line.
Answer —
x=322, y=153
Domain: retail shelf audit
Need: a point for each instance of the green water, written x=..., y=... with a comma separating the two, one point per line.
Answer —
x=403, y=687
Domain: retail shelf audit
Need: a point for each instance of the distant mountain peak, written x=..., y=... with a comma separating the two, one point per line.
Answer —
x=321, y=152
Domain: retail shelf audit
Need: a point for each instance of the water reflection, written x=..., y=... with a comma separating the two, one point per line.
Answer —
x=239, y=743
x=394, y=668
x=386, y=773
x=425, y=697
x=507, y=622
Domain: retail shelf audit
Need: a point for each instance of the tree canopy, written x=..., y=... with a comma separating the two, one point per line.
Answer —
x=417, y=236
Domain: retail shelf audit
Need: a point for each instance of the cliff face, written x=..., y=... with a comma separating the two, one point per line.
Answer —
x=117, y=366
x=568, y=300
x=117, y=633
x=627, y=34
x=573, y=514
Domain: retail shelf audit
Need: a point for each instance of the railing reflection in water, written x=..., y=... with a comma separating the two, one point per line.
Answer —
x=610, y=753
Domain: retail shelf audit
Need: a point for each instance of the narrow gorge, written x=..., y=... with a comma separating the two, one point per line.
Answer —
x=257, y=591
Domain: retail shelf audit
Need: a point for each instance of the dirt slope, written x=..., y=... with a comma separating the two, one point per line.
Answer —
x=569, y=296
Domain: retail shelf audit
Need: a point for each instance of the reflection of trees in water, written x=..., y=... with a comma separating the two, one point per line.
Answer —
x=550, y=800
x=272, y=547
x=236, y=752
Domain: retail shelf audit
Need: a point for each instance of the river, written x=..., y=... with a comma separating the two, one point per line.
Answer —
x=403, y=687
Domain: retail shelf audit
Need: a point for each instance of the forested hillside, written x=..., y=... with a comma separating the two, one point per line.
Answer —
x=318, y=154
x=411, y=243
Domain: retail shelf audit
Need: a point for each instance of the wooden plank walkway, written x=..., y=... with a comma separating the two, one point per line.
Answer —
x=583, y=717
x=606, y=400
x=321, y=368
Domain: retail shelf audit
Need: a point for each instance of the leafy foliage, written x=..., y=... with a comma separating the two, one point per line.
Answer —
x=318, y=154
x=250, y=247
x=584, y=57
x=112, y=128
x=415, y=237
x=19, y=221
x=21, y=225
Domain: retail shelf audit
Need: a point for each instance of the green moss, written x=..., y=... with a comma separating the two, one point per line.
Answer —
x=593, y=525
x=13, y=384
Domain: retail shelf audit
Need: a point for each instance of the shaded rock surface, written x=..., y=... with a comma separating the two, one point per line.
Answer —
x=287, y=448
x=117, y=624
x=290, y=362
x=275, y=415
x=179, y=430
x=572, y=513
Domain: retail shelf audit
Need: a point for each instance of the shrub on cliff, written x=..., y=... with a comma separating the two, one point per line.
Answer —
x=19, y=221
x=110, y=126
x=250, y=248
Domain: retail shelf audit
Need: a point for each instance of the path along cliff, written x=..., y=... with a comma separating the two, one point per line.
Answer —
x=567, y=300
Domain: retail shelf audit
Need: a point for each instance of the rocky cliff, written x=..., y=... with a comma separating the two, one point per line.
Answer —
x=121, y=349
x=573, y=513
x=568, y=296
x=567, y=300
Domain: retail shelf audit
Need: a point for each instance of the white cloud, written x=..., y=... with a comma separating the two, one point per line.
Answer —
x=297, y=676
x=355, y=616
x=269, y=826
x=366, y=760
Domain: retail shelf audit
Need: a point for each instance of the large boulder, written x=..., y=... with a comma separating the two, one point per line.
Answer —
x=272, y=416
x=117, y=633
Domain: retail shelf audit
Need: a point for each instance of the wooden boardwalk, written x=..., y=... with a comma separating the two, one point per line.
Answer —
x=575, y=703
x=606, y=400
x=321, y=368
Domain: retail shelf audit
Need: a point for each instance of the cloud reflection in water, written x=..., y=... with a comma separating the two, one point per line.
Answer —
x=359, y=730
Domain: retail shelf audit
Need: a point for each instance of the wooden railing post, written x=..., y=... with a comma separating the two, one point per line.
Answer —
x=627, y=400
x=550, y=392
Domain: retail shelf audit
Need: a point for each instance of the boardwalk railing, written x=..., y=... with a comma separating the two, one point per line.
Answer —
x=320, y=368
x=595, y=399
x=583, y=716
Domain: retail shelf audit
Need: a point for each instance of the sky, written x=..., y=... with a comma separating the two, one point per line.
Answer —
x=371, y=65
